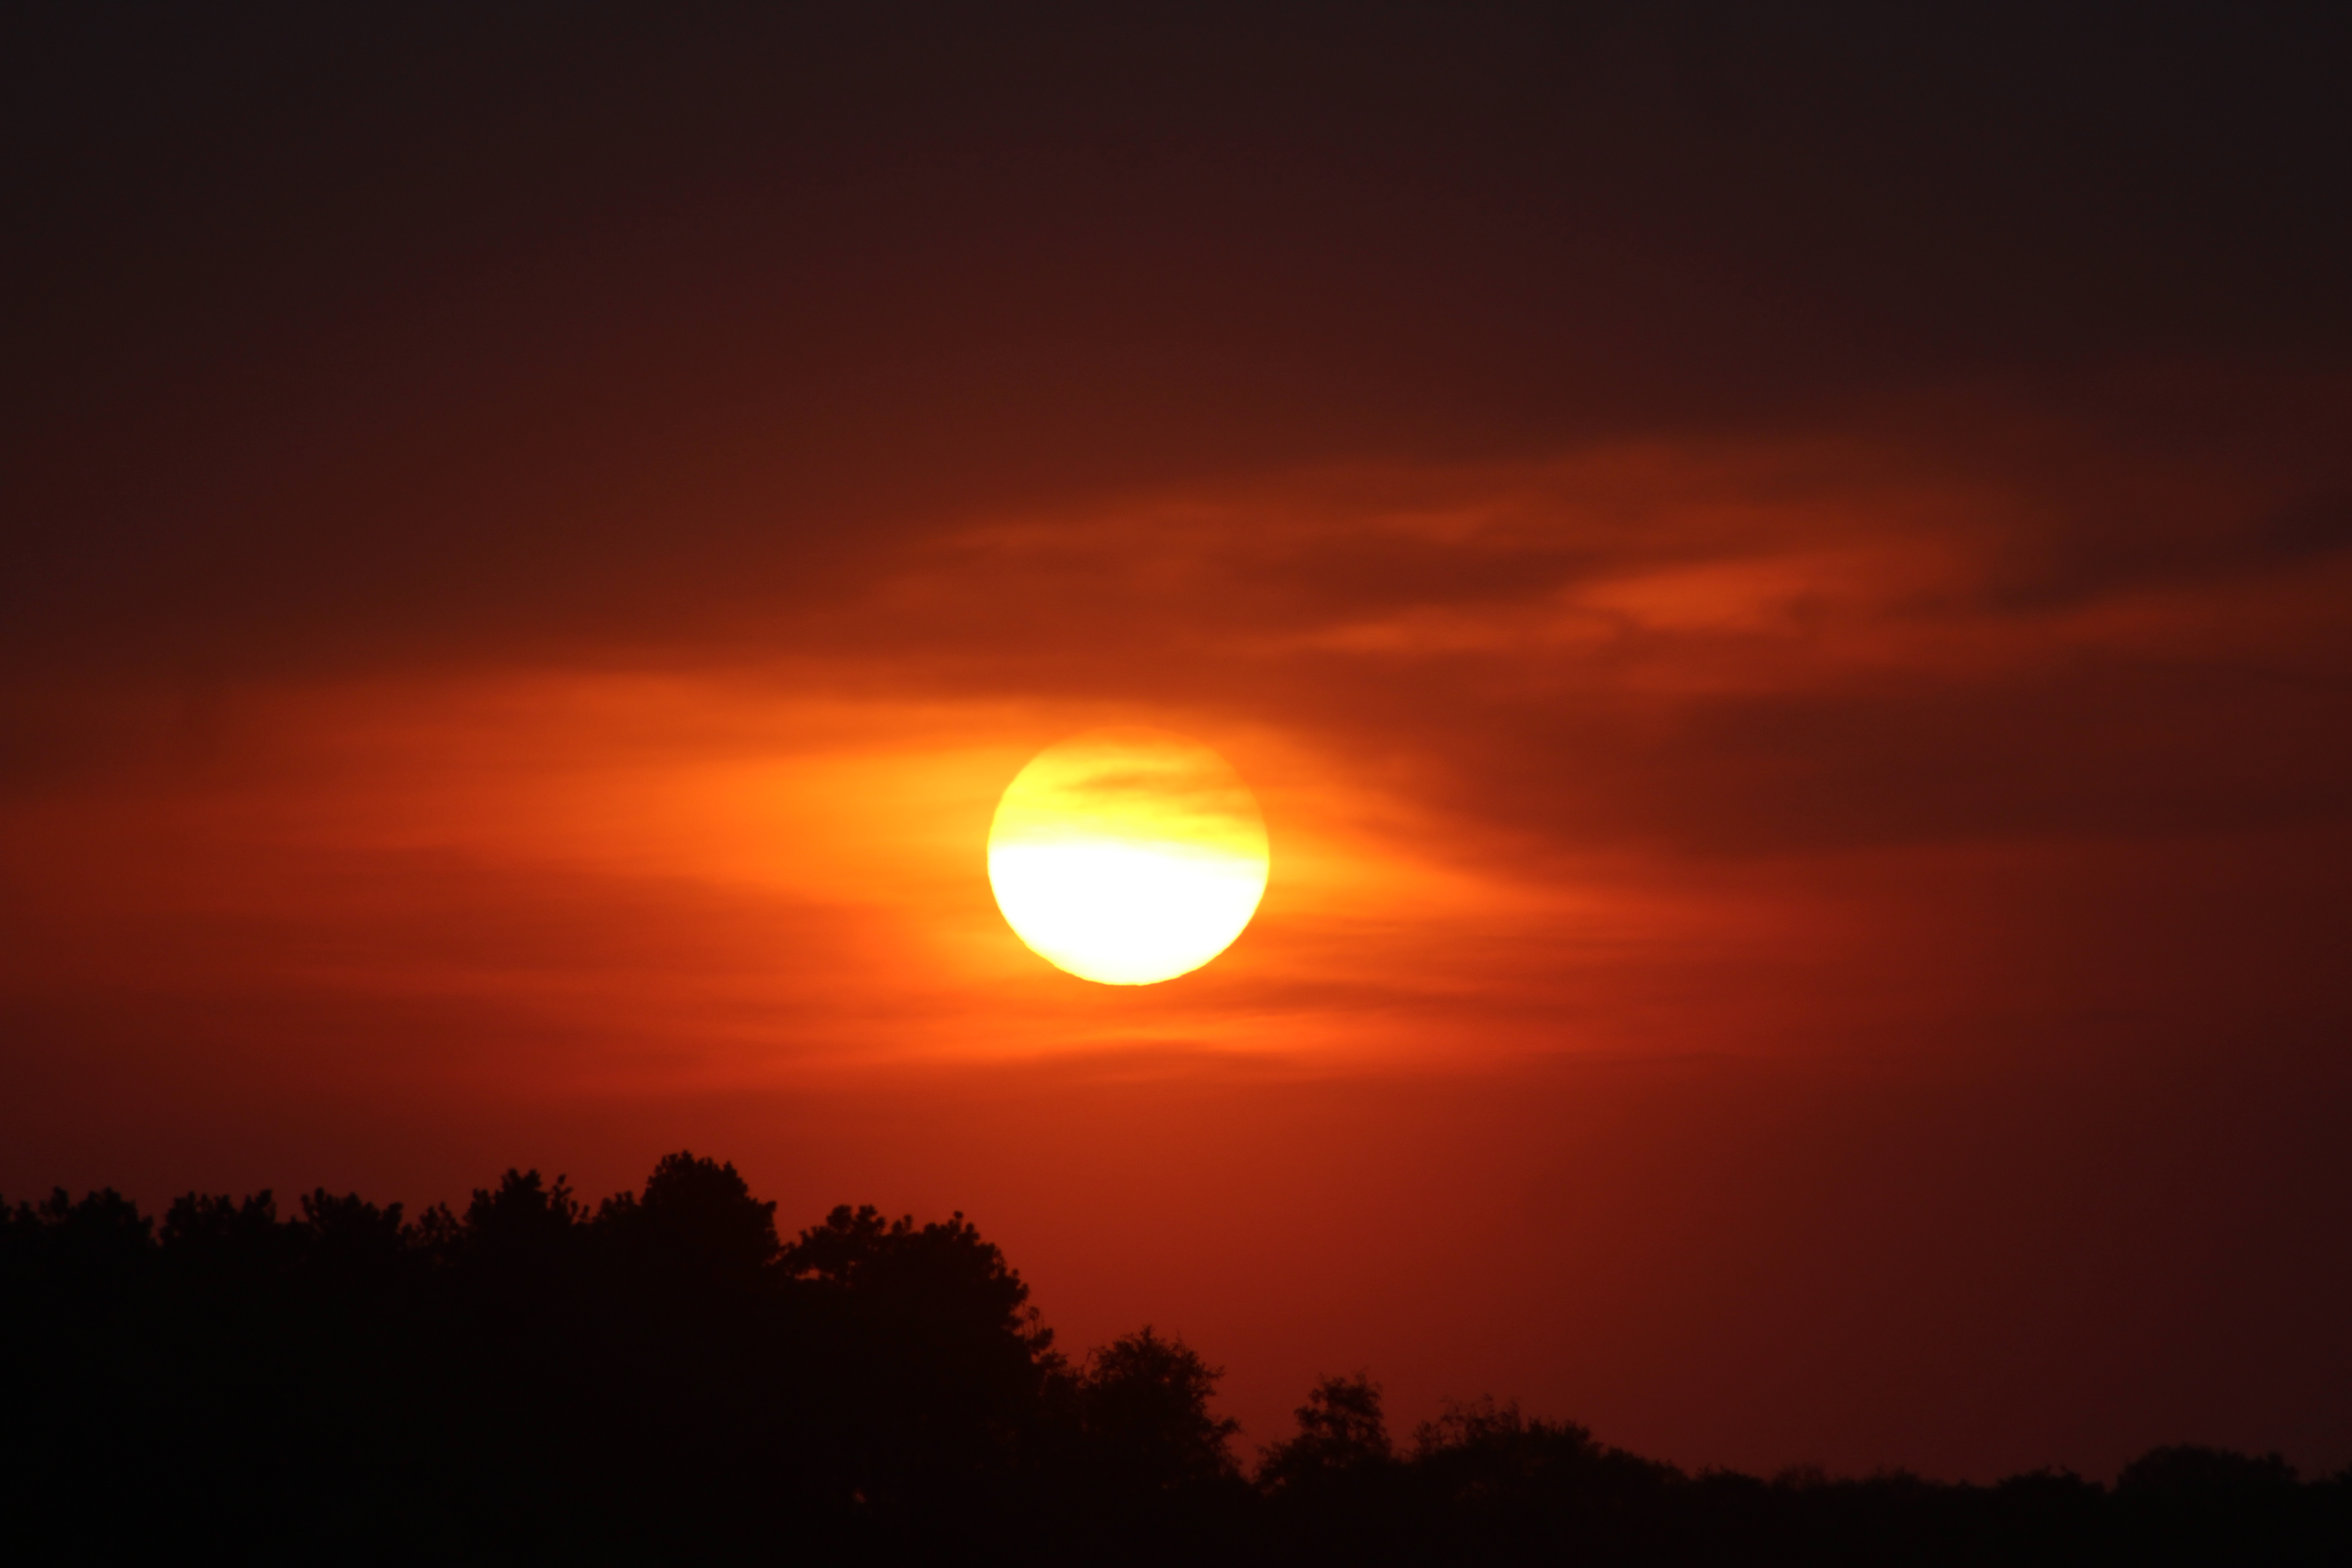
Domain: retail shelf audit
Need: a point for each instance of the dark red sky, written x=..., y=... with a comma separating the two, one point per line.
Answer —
x=1784, y=578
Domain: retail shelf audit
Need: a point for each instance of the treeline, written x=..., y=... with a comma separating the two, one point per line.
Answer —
x=666, y=1379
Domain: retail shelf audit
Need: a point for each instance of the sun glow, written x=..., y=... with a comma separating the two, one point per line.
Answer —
x=1127, y=856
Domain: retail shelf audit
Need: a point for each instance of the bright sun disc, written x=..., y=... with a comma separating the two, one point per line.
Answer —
x=1127, y=856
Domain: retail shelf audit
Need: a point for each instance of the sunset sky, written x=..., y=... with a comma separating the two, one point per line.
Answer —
x=1781, y=576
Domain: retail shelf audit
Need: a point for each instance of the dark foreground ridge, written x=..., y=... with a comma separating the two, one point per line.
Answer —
x=664, y=1380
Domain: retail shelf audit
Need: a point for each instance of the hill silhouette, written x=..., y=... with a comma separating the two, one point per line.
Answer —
x=666, y=1378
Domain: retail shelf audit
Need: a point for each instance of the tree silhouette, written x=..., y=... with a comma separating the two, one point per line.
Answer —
x=664, y=1380
x=1340, y=1433
x=935, y=1363
x=522, y=1226
x=698, y=1218
x=1143, y=1406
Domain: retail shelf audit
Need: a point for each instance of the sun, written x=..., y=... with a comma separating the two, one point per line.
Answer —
x=1127, y=856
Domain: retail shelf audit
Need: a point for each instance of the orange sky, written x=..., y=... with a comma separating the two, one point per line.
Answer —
x=1807, y=777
